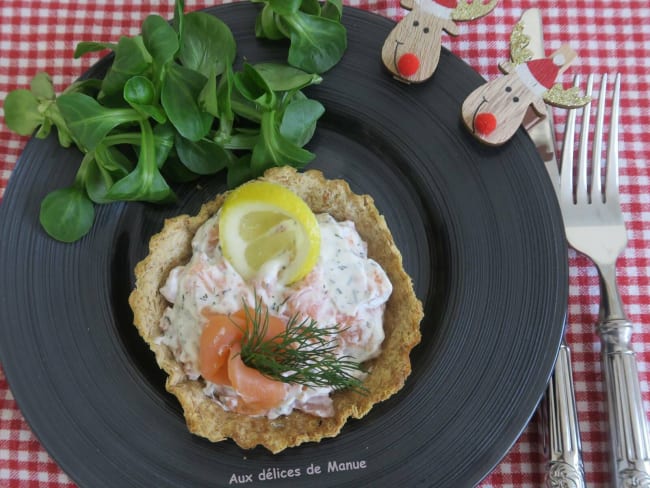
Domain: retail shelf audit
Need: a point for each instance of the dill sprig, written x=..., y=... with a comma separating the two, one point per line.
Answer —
x=304, y=353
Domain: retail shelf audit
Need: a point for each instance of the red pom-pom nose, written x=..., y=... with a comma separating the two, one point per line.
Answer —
x=408, y=64
x=485, y=123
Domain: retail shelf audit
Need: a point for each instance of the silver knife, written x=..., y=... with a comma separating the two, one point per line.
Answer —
x=564, y=465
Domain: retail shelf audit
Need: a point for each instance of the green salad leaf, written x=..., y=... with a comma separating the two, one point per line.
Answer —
x=173, y=107
x=318, y=38
x=67, y=214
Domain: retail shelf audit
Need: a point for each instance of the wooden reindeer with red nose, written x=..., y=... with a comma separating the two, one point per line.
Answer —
x=494, y=111
x=412, y=49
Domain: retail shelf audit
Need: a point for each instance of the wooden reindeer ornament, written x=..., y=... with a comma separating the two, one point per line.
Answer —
x=412, y=49
x=494, y=111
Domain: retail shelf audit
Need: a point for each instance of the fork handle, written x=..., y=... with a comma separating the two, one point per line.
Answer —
x=564, y=466
x=630, y=442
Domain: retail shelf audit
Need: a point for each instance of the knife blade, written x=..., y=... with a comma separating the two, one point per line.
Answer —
x=564, y=466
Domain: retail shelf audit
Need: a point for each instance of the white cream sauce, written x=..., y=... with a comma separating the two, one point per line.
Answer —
x=345, y=287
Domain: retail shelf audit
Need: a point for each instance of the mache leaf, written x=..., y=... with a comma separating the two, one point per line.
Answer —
x=181, y=90
x=202, y=157
x=131, y=59
x=67, y=214
x=285, y=7
x=140, y=93
x=88, y=121
x=86, y=47
x=207, y=44
x=160, y=39
x=317, y=43
x=299, y=121
x=281, y=77
x=22, y=113
x=42, y=87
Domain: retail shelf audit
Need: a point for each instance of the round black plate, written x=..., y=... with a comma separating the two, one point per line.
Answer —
x=481, y=236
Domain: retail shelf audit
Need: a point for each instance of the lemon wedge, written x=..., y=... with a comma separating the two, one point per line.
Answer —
x=262, y=222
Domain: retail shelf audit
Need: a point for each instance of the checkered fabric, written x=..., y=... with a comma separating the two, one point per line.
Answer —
x=40, y=35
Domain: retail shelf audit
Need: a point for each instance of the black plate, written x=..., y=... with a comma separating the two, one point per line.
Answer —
x=481, y=236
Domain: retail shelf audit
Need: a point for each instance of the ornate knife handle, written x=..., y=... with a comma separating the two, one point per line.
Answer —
x=628, y=424
x=564, y=468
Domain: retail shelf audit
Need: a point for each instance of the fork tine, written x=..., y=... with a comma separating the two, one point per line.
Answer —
x=566, y=167
x=611, y=182
x=596, y=155
x=582, y=195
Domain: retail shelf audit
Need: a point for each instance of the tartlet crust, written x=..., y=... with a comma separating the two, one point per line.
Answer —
x=172, y=247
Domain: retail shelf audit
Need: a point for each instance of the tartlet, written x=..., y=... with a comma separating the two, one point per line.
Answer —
x=171, y=247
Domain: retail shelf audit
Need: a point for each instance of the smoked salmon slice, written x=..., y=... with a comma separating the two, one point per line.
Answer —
x=214, y=348
x=220, y=360
x=256, y=390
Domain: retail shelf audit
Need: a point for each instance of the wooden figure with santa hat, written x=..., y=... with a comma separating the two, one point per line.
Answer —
x=494, y=111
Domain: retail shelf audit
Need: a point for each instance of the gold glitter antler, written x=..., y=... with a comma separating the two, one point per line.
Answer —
x=519, y=52
x=565, y=97
x=470, y=10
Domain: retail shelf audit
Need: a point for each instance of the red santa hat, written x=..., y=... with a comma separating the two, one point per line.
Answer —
x=439, y=8
x=540, y=74
x=545, y=70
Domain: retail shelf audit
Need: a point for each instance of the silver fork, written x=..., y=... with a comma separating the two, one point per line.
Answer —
x=595, y=227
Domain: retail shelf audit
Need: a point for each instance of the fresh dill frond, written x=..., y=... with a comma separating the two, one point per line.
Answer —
x=304, y=353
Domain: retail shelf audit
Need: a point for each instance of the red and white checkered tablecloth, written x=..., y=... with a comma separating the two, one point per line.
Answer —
x=40, y=35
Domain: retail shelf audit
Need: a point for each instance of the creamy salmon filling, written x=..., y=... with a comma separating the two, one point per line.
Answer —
x=345, y=288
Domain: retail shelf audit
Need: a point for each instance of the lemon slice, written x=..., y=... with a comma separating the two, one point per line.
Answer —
x=262, y=222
